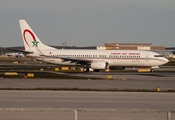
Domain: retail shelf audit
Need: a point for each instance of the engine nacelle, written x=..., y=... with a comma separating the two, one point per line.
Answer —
x=99, y=65
x=116, y=68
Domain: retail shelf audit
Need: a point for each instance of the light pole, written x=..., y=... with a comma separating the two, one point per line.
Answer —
x=171, y=52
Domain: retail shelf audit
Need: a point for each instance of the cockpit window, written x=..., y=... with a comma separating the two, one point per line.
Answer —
x=158, y=55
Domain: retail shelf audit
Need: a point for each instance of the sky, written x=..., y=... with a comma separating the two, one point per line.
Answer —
x=89, y=22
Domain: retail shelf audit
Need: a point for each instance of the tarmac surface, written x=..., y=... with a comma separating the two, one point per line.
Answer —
x=90, y=105
x=92, y=100
x=125, y=80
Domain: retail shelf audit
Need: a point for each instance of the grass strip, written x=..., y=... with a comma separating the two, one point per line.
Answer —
x=89, y=89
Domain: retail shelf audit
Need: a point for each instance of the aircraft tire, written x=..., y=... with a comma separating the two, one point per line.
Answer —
x=96, y=70
x=152, y=70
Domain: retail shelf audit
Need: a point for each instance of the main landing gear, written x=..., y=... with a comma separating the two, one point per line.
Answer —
x=151, y=70
x=87, y=69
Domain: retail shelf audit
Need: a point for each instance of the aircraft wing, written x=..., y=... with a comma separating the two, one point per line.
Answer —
x=76, y=60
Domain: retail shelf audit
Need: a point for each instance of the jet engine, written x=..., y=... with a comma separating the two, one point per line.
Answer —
x=99, y=65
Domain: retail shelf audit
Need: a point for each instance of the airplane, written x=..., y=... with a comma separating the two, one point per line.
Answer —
x=15, y=55
x=88, y=59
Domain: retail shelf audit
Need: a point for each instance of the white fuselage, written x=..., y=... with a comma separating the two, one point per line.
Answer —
x=124, y=58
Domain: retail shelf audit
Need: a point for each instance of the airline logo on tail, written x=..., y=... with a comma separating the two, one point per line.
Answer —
x=35, y=43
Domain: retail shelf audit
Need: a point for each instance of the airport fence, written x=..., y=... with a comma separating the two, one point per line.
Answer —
x=87, y=114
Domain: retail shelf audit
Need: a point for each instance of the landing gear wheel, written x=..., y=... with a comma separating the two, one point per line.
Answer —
x=152, y=70
x=85, y=69
x=96, y=70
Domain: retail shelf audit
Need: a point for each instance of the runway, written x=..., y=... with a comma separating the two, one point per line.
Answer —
x=90, y=105
x=93, y=100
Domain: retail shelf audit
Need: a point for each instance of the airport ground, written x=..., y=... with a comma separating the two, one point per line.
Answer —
x=93, y=95
x=90, y=105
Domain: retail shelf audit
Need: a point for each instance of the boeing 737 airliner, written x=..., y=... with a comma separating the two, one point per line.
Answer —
x=94, y=59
